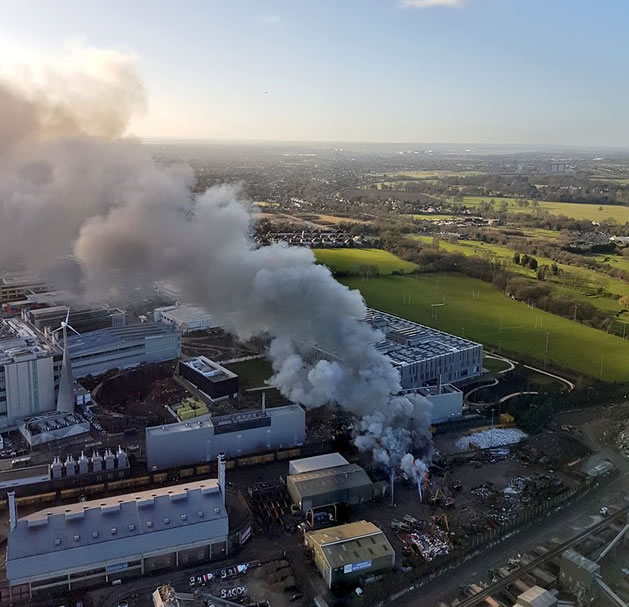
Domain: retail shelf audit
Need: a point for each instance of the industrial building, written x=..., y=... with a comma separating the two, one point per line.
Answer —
x=212, y=379
x=48, y=427
x=317, y=462
x=347, y=484
x=30, y=369
x=124, y=347
x=15, y=286
x=424, y=355
x=81, y=319
x=184, y=318
x=344, y=553
x=96, y=542
x=446, y=401
x=240, y=433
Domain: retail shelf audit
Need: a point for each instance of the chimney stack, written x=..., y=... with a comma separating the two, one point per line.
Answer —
x=12, y=510
x=263, y=402
x=221, y=475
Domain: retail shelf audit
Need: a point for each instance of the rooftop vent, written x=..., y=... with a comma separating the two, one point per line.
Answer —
x=77, y=537
x=217, y=510
x=131, y=527
x=57, y=542
x=149, y=524
x=114, y=531
x=94, y=534
x=184, y=517
x=201, y=513
x=166, y=520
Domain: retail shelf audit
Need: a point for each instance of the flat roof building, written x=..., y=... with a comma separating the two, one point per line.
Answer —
x=124, y=347
x=347, y=484
x=425, y=355
x=446, y=400
x=240, y=433
x=209, y=377
x=94, y=542
x=184, y=318
x=346, y=552
x=81, y=319
x=16, y=286
x=29, y=372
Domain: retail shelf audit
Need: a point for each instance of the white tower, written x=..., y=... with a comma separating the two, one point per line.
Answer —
x=221, y=475
x=65, y=398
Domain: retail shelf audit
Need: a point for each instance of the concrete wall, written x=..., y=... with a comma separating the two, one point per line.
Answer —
x=446, y=406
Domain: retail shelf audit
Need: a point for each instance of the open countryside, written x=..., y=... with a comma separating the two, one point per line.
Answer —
x=355, y=261
x=476, y=310
x=593, y=212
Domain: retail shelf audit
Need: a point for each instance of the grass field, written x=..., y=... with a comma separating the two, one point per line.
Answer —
x=497, y=321
x=252, y=373
x=590, y=277
x=336, y=219
x=350, y=260
x=592, y=212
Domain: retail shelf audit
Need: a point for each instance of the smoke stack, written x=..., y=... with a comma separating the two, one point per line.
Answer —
x=221, y=474
x=392, y=488
x=12, y=510
x=263, y=402
x=419, y=488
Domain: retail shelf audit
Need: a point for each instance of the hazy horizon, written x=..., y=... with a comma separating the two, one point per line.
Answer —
x=487, y=72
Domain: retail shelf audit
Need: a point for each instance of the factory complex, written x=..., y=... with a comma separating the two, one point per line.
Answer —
x=118, y=537
x=239, y=433
x=184, y=318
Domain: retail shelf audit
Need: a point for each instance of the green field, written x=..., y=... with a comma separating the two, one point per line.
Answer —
x=591, y=278
x=430, y=217
x=593, y=212
x=252, y=373
x=497, y=321
x=351, y=260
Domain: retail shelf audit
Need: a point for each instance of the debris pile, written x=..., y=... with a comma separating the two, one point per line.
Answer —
x=422, y=538
x=622, y=441
x=494, y=437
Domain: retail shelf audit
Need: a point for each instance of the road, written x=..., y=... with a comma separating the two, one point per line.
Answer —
x=563, y=524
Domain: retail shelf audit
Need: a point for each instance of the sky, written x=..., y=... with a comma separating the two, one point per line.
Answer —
x=452, y=71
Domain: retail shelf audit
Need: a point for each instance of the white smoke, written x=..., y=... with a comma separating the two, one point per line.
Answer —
x=98, y=216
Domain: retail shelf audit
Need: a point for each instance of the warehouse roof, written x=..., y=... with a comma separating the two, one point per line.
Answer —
x=352, y=543
x=317, y=462
x=95, y=340
x=329, y=480
x=537, y=597
x=115, y=528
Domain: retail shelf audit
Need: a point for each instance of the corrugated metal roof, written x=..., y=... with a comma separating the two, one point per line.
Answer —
x=537, y=597
x=329, y=480
x=115, y=529
x=352, y=543
x=317, y=462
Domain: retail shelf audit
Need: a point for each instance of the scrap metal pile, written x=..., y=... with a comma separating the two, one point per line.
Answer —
x=494, y=437
x=422, y=538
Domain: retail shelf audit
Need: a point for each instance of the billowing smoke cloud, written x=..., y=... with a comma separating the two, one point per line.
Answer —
x=97, y=214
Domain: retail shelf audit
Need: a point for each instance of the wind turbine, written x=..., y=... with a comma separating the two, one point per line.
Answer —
x=65, y=397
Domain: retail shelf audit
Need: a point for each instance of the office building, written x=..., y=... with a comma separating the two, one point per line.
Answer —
x=124, y=347
x=240, y=433
x=16, y=286
x=424, y=355
x=346, y=552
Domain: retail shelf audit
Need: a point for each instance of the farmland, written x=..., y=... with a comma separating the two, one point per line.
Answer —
x=352, y=261
x=592, y=212
x=476, y=310
x=590, y=278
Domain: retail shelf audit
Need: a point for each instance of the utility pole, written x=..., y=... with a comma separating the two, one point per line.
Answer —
x=546, y=350
x=575, y=312
x=602, y=361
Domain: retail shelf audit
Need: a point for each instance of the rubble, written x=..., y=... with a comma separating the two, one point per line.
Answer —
x=494, y=437
x=622, y=441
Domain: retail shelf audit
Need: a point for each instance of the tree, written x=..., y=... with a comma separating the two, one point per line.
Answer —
x=524, y=260
x=533, y=263
x=554, y=268
x=516, y=258
x=435, y=240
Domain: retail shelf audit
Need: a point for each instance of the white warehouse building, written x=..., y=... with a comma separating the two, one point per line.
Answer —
x=184, y=317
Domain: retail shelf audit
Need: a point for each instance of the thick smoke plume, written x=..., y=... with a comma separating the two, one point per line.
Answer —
x=95, y=214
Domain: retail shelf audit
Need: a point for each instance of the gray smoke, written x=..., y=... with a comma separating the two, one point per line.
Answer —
x=97, y=215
